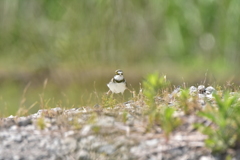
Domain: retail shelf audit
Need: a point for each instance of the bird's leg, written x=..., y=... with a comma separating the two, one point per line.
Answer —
x=122, y=97
x=108, y=92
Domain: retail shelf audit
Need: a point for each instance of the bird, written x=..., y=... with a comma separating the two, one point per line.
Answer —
x=118, y=84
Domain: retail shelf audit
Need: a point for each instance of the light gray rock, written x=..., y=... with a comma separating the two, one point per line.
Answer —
x=116, y=140
x=83, y=155
x=24, y=122
x=105, y=121
x=210, y=90
x=68, y=145
x=152, y=142
x=107, y=149
x=193, y=90
x=201, y=89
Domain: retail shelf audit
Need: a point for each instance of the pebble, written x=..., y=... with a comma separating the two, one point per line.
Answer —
x=69, y=145
x=105, y=122
x=86, y=130
x=193, y=90
x=206, y=158
x=24, y=122
x=83, y=155
x=152, y=142
x=107, y=149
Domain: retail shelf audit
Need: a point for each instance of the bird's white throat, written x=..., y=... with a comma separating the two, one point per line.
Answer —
x=118, y=77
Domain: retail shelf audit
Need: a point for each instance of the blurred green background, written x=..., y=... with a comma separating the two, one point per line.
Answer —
x=75, y=47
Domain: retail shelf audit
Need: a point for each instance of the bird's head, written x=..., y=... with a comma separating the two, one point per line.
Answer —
x=119, y=72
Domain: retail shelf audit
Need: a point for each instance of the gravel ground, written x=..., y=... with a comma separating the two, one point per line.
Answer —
x=106, y=138
x=99, y=133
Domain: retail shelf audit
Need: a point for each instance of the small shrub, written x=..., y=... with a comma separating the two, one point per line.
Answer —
x=187, y=103
x=96, y=129
x=225, y=131
x=168, y=122
x=108, y=101
x=152, y=85
x=164, y=118
x=41, y=124
x=124, y=117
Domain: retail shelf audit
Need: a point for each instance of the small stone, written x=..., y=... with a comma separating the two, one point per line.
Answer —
x=24, y=122
x=17, y=138
x=206, y=158
x=210, y=90
x=97, y=106
x=83, y=155
x=201, y=89
x=202, y=102
x=69, y=145
x=13, y=128
x=128, y=106
x=176, y=91
x=69, y=133
x=106, y=122
x=9, y=122
x=57, y=109
x=17, y=157
x=201, y=96
x=192, y=90
x=11, y=116
x=152, y=142
x=86, y=129
x=108, y=149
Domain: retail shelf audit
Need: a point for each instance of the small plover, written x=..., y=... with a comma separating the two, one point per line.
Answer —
x=118, y=84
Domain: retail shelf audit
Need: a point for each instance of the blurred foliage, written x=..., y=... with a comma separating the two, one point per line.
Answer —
x=188, y=103
x=168, y=122
x=154, y=85
x=223, y=133
x=81, y=42
x=46, y=33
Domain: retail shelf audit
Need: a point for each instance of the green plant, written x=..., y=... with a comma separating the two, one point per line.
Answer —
x=108, y=101
x=165, y=118
x=75, y=123
x=96, y=129
x=152, y=84
x=124, y=117
x=168, y=121
x=41, y=124
x=224, y=133
x=187, y=103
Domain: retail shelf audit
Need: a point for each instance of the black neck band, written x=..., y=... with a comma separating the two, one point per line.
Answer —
x=123, y=80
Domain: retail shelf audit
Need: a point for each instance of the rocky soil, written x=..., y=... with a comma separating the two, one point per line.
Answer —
x=85, y=133
x=118, y=133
